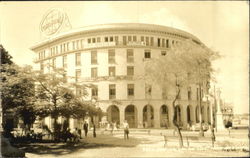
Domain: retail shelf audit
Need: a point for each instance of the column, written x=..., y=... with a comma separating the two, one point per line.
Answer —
x=157, y=116
x=184, y=116
x=139, y=117
x=205, y=114
x=122, y=115
x=193, y=114
x=171, y=115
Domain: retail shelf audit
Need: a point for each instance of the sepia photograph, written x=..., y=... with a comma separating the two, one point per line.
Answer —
x=124, y=79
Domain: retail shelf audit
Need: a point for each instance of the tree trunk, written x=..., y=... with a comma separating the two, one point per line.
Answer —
x=200, y=116
x=175, y=122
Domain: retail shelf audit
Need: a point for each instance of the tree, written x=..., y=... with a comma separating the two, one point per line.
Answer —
x=188, y=64
x=17, y=91
x=56, y=96
x=5, y=57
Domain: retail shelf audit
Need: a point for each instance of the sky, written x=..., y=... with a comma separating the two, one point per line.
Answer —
x=221, y=25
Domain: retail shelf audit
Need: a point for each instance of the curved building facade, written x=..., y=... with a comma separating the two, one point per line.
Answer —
x=112, y=57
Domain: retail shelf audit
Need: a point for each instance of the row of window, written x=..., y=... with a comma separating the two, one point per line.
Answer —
x=111, y=57
x=126, y=40
x=130, y=91
x=111, y=72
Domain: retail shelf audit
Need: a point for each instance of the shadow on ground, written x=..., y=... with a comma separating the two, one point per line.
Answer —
x=70, y=147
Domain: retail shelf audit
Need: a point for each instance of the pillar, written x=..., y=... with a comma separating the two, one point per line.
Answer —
x=184, y=116
x=140, y=116
x=122, y=115
x=171, y=115
x=157, y=117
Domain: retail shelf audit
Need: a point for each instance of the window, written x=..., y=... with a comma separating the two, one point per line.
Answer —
x=189, y=93
x=147, y=54
x=116, y=39
x=130, y=70
x=98, y=40
x=67, y=46
x=61, y=48
x=130, y=55
x=93, y=57
x=134, y=38
x=106, y=39
x=130, y=90
x=163, y=53
x=152, y=41
x=94, y=91
x=78, y=59
x=112, y=71
x=54, y=63
x=41, y=66
x=111, y=54
x=64, y=61
x=93, y=40
x=148, y=90
x=129, y=38
x=111, y=39
x=77, y=44
x=94, y=72
x=159, y=42
x=64, y=46
x=142, y=38
x=124, y=40
x=73, y=45
x=147, y=41
x=78, y=74
x=112, y=91
x=163, y=42
x=89, y=40
x=82, y=43
x=56, y=49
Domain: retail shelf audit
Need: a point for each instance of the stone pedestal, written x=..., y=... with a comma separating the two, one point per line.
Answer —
x=219, y=122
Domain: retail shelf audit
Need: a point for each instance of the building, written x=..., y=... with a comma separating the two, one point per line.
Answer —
x=112, y=57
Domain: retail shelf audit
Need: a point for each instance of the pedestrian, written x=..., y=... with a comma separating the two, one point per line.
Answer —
x=85, y=128
x=94, y=133
x=80, y=133
x=126, y=129
x=76, y=135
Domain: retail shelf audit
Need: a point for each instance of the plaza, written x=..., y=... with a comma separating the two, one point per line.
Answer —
x=143, y=144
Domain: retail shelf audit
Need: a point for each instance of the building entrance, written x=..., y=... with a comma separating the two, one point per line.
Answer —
x=131, y=116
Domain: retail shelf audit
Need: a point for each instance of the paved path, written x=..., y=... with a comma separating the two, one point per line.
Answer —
x=141, y=144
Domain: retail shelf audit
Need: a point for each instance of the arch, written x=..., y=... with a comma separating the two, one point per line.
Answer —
x=131, y=116
x=164, y=116
x=148, y=116
x=197, y=114
x=178, y=114
x=189, y=120
x=113, y=114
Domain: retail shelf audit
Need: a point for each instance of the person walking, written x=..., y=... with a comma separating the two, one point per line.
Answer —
x=85, y=128
x=126, y=129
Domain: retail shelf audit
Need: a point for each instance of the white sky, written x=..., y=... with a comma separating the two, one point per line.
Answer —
x=222, y=26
